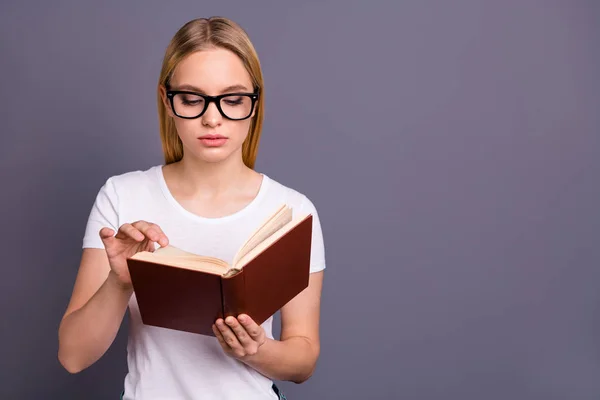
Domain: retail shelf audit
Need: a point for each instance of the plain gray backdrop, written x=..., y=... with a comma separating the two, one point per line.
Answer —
x=451, y=147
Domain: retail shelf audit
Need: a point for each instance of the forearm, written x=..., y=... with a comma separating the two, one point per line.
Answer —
x=86, y=334
x=292, y=359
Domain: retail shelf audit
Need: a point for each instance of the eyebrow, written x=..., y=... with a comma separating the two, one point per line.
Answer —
x=232, y=88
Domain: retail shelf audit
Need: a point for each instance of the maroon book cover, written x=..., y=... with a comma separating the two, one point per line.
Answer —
x=190, y=300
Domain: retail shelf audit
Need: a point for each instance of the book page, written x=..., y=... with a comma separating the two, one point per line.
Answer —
x=275, y=222
x=249, y=256
x=170, y=250
x=176, y=257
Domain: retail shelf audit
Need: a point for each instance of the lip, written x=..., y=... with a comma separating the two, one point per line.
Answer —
x=212, y=137
x=213, y=140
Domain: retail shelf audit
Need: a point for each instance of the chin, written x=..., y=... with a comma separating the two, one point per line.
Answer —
x=213, y=156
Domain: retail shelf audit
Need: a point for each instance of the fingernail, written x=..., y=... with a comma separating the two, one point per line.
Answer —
x=242, y=318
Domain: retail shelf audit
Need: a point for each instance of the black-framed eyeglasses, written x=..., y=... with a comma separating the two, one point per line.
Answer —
x=191, y=105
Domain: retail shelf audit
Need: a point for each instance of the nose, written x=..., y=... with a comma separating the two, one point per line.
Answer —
x=212, y=117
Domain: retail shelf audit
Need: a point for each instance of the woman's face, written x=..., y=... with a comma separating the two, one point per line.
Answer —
x=211, y=137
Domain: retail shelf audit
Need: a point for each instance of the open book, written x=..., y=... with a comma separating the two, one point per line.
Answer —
x=179, y=290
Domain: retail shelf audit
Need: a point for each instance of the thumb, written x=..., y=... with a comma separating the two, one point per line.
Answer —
x=107, y=235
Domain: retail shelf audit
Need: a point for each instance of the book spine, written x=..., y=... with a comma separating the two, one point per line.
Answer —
x=233, y=291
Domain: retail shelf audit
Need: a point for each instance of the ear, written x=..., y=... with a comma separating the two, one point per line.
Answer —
x=163, y=95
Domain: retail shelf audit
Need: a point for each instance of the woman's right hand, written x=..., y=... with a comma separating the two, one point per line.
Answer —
x=130, y=239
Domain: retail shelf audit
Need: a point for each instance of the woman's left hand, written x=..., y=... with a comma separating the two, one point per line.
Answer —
x=239, y=337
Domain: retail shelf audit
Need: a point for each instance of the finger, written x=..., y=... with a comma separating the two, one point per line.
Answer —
x=229, y=337
x=152, y=232
x=219, y=337
x=149, y=246
x=239, y=331
x=252, y=328
x=144, y=227
x=163, y=240
x=128, y=231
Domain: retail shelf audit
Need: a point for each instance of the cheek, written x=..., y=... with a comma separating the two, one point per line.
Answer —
x=240, y=130
x=187, y=129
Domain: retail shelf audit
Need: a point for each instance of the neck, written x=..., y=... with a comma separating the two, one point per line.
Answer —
x=213, y=178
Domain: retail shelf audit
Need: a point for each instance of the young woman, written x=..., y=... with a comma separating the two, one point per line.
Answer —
x=206, y=199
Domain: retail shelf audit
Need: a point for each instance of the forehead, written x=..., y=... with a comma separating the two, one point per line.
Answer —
x=211, y=71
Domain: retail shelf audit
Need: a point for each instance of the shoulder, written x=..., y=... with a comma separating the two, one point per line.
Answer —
x=301, y=204
x=134, y=179
x=119, y=195
x=293, y=197
x=285, y=193
x=122, y=190
x=128, y=182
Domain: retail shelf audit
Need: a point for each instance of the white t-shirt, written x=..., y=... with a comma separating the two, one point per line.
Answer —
x=167, y=364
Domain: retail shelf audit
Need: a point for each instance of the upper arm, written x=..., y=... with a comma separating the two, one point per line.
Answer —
x=93, y=270
x=93, y=266
x=300, y=316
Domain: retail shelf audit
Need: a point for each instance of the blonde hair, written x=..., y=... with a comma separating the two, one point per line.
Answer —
x=201, y=34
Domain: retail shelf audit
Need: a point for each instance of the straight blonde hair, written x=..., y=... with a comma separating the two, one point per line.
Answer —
x=197, y=35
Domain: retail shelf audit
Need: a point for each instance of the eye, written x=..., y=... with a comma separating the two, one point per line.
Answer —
x=190, y=99
x=191, y=102
x=234, y=100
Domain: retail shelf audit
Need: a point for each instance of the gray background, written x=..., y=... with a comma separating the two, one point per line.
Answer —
x=452, y=149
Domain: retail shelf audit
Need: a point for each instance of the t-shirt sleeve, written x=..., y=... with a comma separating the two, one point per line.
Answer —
x=317, y=256
x=104, y=213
